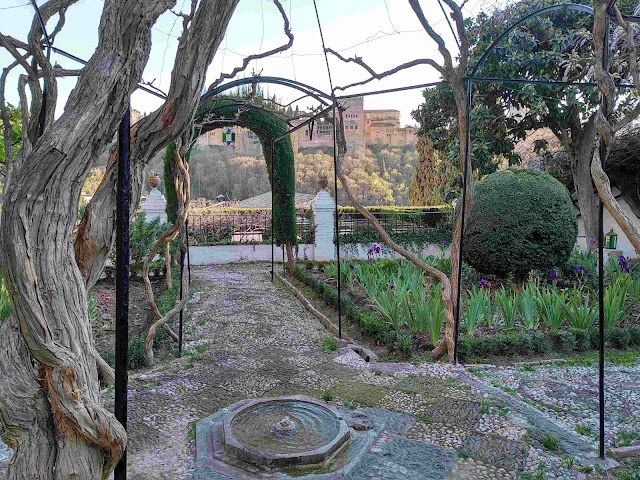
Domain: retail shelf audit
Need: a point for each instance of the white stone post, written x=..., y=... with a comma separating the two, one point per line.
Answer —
x=323, y=216
x=155, y=205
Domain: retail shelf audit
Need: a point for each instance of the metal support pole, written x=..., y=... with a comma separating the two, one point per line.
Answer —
x=605, y=108
x=601, y=325
x=122, y=284
x=273, y=196
x=335, y=194
x=182, y=309
x=186, y=222
x=335, y=168
x=464, y=207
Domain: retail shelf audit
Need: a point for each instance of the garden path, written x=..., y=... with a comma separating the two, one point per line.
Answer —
x=247, y=337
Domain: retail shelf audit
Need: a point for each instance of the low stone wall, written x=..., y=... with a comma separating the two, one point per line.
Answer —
x=359, y=251
x=223, y=254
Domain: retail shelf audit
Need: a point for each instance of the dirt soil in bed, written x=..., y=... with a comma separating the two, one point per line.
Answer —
x=140, y=315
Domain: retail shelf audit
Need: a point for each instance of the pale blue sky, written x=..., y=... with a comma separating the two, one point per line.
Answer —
x=369, y=26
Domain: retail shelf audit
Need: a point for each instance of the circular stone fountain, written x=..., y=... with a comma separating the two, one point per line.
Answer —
x=285, y=431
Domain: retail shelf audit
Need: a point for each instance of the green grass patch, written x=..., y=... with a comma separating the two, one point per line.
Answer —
x=550, y=442
x=329, y=344
x=358, y=392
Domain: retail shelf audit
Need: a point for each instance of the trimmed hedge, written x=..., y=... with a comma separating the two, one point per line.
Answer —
x=520, y=220
x=537, y=342
x=398, y=209
x=372, y=325
x=424, y=237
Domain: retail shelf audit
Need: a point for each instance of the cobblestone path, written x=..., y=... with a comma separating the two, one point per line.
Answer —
x=246, y=337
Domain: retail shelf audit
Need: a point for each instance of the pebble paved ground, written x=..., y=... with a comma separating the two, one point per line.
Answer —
x=246, y=337
x=569, y=395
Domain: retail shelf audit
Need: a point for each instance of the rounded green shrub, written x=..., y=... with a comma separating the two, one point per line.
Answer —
x=521, y=219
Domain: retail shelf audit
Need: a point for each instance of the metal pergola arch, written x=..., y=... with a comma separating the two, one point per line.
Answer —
x=470, y=80
x=308, y=90
x=220, y=121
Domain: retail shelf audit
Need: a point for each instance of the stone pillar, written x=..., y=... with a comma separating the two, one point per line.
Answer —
x=323, y=216
x=155, y=205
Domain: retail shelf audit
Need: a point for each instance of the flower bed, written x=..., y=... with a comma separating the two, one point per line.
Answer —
x=397, y=305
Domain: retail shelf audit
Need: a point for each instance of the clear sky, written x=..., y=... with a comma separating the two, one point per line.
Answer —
x=385, y=33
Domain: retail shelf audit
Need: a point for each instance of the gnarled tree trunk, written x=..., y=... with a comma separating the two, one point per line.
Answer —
x=50, y=404
x=197, y=45
x=77, y=437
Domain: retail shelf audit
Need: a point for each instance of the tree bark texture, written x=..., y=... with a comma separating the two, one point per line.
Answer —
x=606, y=130
x=197, y=45
x=182, y=187
x=52, y=413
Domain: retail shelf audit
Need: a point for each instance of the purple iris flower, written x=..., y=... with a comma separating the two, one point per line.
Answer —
x=443, y=243
x=592, y=240
x=553, y=273
x=589, y=275
x=484, y=284
x=376, y=248
x=577, y=270
x=622, y=261
x=392, y=286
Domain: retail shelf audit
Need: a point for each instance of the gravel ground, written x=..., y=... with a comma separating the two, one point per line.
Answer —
x=569, y=395
x=246, y=337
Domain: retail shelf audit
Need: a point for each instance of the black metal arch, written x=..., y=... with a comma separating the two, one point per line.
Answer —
x=310, y=91
x=470, y=79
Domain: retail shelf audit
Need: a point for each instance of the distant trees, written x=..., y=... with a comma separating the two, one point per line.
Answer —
x=383, y=173
x=434, y=178
x=214, y=173
x=555, y=46
x=369, y=186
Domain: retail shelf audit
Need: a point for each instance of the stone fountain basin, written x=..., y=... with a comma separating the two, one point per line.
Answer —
x=340, y=434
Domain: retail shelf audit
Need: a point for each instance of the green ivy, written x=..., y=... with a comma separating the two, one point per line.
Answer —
x=418, y=239
x=169, y=158
x=267, y=127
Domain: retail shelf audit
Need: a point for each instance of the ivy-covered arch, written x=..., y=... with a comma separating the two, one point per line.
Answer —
x=220, y=113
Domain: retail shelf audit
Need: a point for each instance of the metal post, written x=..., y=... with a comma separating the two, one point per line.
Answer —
x=335, y=168
x=605, y=108
x=186, y=222
x=464, y=207
x=335, y=194
x=273, y=196
x=182, y=309
x=284, y=270
x=122, y=284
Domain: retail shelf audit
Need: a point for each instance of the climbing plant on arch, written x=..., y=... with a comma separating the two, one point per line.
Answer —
x=218, y=113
